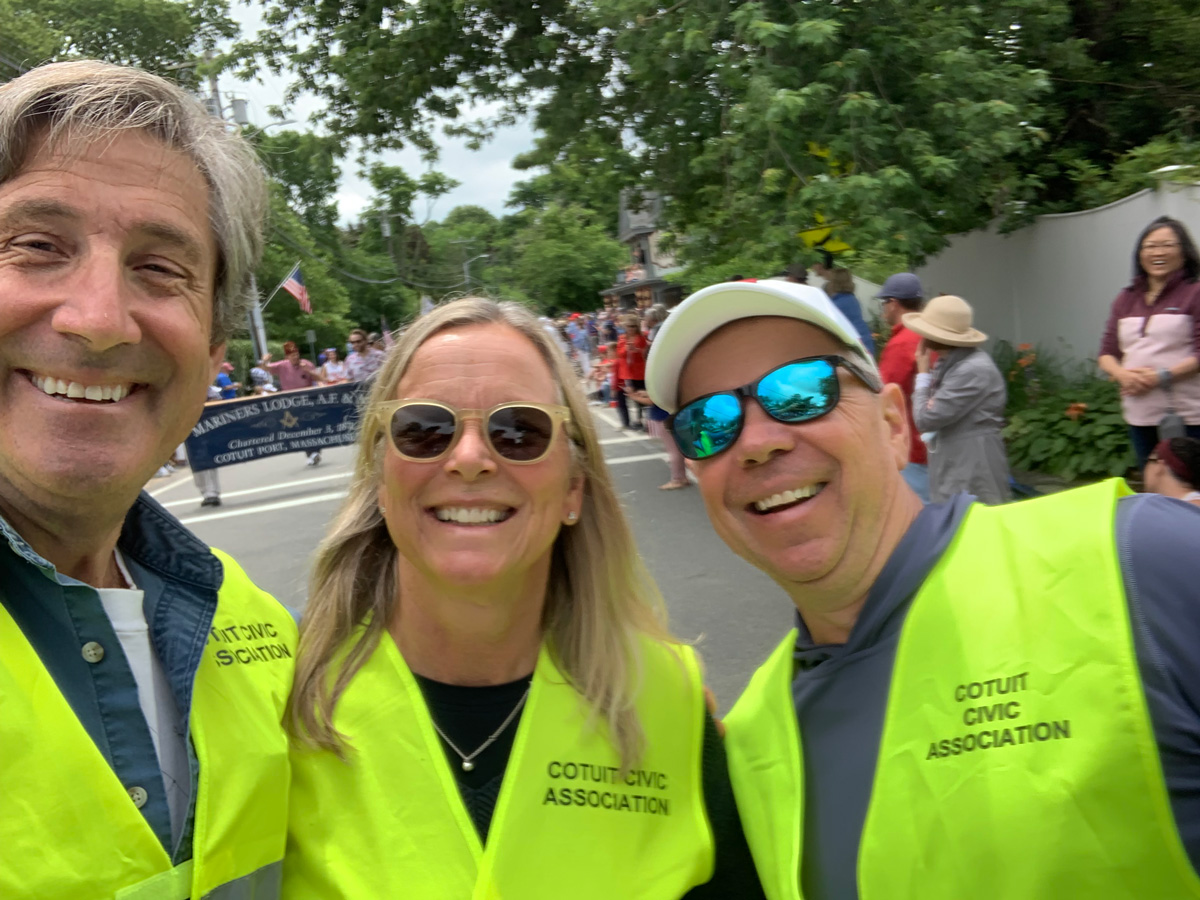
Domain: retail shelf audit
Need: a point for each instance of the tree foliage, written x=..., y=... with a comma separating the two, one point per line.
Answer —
x=560, y=260
x=307, y=168
x=291, y=242
x=589, y=173
x=163, y=36
x=1122, y=75
x=897, y=122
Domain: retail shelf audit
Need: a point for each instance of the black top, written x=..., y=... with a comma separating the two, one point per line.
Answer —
x=469, y=715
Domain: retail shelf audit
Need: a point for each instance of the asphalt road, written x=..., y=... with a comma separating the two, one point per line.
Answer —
x=276, y=510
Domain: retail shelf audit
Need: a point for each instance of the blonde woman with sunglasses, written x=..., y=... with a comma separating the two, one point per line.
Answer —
x=488, y=702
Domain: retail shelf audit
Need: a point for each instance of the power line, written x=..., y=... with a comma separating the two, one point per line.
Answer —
x=399, y=278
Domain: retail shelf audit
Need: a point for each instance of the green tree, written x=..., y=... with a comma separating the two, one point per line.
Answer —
x=559, y=260
x=377, y=292
x=390, y=232
x=25, y=39
x=1122, y=75
x=162, y=36
x=290, y=242
x=306, y=167
x=897, y=122
x=376, y=271
x=589, y=173
x=467, y=232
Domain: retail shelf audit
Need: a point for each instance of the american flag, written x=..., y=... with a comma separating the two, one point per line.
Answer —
x=294, y=285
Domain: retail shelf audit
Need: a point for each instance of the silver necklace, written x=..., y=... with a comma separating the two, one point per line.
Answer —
x=468, y=759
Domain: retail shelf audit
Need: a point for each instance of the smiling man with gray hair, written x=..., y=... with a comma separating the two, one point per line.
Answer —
x=142, y=675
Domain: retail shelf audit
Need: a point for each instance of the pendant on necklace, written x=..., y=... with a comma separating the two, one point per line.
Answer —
x=468, y=765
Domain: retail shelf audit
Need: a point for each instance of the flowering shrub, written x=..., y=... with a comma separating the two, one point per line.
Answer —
x=1027, y=374
x=1074, y=430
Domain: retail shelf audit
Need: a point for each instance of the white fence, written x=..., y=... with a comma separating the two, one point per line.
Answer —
x=1052, y=283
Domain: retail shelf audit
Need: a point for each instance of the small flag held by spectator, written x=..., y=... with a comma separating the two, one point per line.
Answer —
x=294, y=285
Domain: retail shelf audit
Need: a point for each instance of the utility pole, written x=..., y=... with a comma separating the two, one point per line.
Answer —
x=386, y=230
x=254, y=319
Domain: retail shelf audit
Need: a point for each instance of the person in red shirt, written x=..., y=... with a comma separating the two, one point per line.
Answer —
x=900, y=294
x=631, y=366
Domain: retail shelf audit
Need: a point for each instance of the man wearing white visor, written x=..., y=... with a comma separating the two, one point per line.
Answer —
x=976, y=701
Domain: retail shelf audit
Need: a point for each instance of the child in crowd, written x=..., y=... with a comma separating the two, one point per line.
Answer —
x=597, y=377
x=606, y=373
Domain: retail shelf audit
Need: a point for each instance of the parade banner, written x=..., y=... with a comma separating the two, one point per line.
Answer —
x=249, y=428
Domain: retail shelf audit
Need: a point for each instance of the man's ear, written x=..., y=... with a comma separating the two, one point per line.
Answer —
x=216, y=356
x=895, y=417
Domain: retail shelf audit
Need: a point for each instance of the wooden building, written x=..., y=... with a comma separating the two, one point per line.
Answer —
x=642, y=282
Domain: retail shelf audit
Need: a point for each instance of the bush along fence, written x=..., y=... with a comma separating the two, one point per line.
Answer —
x=1064, y=419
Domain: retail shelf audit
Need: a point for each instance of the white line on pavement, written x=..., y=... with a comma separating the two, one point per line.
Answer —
x=266, y=507
x=628, y=459
x=169, y=487
x=624, y=440
x=270, y=487
x=606, y=416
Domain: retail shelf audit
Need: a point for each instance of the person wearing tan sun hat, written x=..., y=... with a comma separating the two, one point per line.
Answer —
x=958, y=403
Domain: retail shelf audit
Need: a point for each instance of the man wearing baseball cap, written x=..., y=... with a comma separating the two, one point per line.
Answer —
x=902, y=293
x=976, y=701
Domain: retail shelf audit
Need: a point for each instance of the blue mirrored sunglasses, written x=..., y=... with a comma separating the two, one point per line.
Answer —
x=798, y=391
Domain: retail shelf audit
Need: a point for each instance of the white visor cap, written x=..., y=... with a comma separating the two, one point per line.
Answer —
x=717, y=305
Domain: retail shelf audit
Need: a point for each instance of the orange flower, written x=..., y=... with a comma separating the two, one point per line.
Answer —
x=1026, y=361
x=1024, y=348
x=1075, y=410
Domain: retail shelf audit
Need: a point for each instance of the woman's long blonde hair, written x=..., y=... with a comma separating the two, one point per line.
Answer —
x=599, y=599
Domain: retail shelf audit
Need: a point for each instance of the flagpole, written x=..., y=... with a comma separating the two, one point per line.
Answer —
x=278, y=286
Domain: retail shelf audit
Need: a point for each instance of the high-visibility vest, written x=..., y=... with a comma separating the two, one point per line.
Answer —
x=1017, y=759
x=389, y=821
x=68, y=828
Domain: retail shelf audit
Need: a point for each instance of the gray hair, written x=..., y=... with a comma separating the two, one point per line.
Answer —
x=656, y=314
x=82, y=101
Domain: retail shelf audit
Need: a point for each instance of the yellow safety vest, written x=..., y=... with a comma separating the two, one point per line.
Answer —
x=390, y=821
x=68, y=828
x=1017, y=759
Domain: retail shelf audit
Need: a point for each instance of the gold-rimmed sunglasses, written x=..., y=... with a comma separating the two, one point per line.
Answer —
x=426, y=430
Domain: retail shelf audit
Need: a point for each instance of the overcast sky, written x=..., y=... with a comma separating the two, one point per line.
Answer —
x=485, y=175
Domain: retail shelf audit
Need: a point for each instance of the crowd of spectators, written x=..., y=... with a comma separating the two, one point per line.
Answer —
x=954, y=395
x=293, y=372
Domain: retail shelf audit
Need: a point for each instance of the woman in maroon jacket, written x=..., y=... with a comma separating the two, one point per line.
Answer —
x=1151, y=345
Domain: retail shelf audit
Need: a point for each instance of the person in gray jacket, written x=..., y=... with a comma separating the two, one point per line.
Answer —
x=959, y=405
